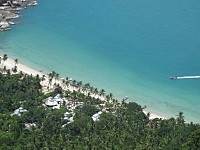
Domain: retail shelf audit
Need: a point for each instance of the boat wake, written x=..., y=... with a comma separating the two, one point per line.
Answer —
x=185, y=77
x=188, y=77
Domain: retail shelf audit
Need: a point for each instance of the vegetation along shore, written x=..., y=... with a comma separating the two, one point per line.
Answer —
x=9, y=11
x=53, y=78
x=40, y=111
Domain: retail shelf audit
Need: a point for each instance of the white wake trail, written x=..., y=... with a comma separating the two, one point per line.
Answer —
x=188, y=77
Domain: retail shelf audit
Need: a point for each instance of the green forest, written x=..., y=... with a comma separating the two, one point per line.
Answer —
x=122, y=126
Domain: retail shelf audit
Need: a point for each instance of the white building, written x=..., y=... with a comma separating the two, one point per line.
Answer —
x=54, y=102
x=19, y=111
x=96, y=116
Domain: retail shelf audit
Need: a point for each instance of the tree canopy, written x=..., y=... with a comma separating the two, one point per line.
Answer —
x=120, y=126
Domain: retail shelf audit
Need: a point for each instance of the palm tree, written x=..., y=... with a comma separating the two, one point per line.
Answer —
x=96, y=91
x=50, y=76
x=67, y=83
x=43, y=78
x=16, y=62
x=180, y=119
x=8, y=72
x=110, y=96
x=14, y=69
x=56, y=76
x=148, y=114
x=53, y=74
x=74, y=83
x=5, y=57
x=115, y=102
x=4, y=69
x=84, y=89
x=21, y=74
x=92, y=89
x=102, y=92
x=50, y=82
x=63, y=83
x=87, y=86
x=107, y=98
x=79, y=84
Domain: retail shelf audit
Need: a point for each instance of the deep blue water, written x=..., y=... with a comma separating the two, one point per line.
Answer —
x=129, y=48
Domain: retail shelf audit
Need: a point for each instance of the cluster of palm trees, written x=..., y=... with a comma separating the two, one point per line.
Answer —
x=86, y=89
x=2, y=61
x=89, y=90
x=4, y=68
x=15, y=67
x=128, y=128
x=53, y=77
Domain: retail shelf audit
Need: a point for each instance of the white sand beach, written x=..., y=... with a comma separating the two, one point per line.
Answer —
x=152, y=116
x=10, y=63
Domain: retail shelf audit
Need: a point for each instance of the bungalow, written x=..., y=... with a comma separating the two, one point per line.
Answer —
x=69, y=117
x=96, y=116
x=19, y=111
x=29, y=125
x=54, y=102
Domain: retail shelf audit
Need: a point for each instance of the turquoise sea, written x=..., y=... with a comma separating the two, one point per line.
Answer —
x=127, y=47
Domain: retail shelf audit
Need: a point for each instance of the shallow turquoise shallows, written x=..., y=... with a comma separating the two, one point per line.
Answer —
x=127, y=47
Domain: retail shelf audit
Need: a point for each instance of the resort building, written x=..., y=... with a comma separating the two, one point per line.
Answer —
x=96, y=116
x=18, y=111
x=54, y=102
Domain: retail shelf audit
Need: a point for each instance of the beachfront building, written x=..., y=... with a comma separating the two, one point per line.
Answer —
x=54, y=102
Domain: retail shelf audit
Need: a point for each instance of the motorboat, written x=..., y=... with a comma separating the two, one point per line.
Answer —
x=173, y=77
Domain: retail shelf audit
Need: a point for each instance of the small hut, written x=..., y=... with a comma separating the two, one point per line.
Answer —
x=19, y=111
x=96, y=116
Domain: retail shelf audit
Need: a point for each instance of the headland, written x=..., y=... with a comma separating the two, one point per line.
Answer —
x=9, y=11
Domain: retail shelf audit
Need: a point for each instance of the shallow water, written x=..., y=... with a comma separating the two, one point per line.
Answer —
x=129, y=48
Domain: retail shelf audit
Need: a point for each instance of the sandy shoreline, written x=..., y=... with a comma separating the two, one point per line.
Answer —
x=10, y=63
x=152, y=116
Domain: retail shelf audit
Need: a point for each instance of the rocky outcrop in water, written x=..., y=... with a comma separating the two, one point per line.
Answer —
x=9, y=11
